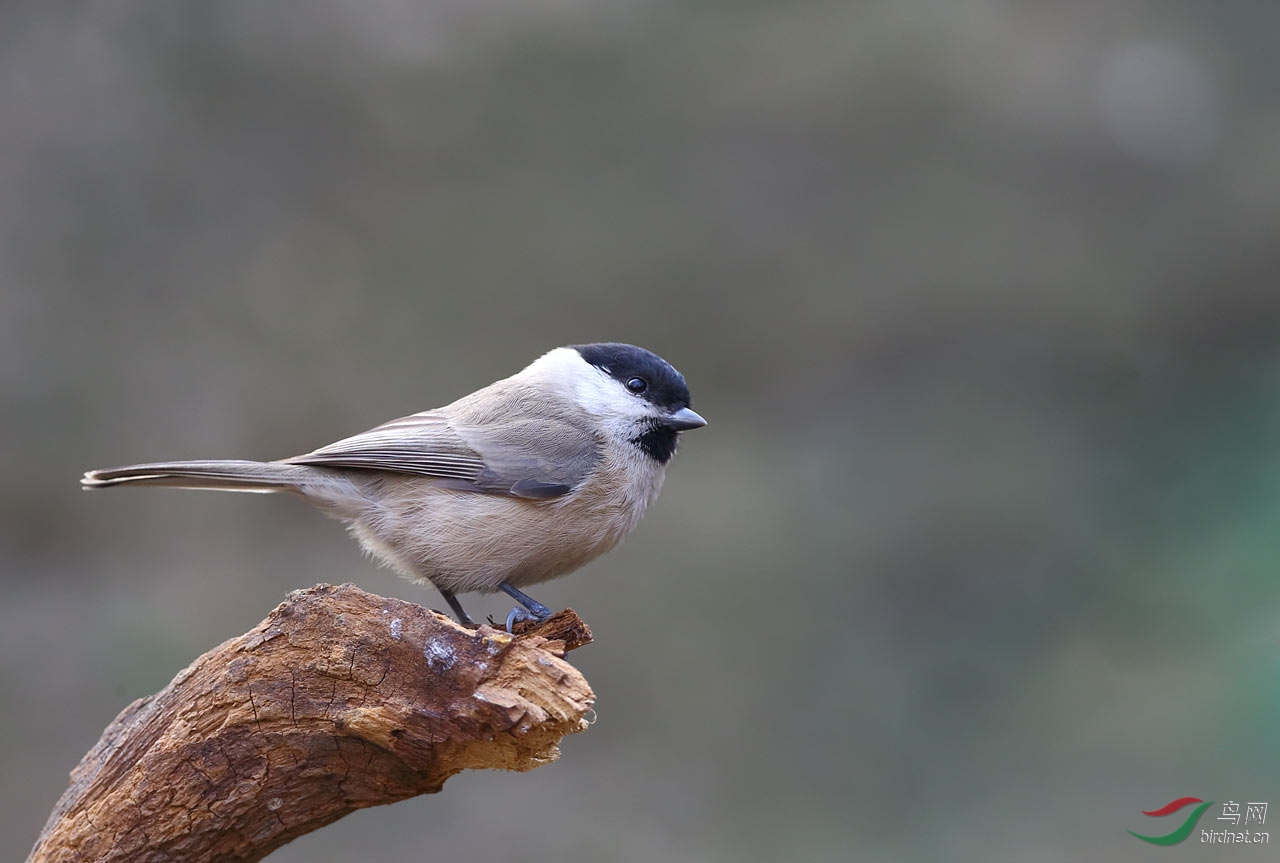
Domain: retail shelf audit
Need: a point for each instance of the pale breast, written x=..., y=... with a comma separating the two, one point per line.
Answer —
x=463, y=541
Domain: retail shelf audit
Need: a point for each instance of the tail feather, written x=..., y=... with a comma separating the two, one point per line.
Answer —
x=226, y=475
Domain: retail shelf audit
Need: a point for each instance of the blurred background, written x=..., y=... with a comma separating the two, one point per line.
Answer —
x=977, y=558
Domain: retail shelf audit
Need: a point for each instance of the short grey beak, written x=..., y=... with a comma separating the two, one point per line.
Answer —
x=684, y=420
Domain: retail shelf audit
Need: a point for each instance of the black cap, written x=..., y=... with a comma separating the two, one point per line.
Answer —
x=663, y=385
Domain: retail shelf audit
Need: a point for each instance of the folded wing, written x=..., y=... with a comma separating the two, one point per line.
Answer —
x=535, y=458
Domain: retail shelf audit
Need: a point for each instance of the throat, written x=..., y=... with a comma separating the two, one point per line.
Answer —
x=658, y=442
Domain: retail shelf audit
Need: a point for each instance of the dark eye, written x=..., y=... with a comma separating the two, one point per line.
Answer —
x=637, y=385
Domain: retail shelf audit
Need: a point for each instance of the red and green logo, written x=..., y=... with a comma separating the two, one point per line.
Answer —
x=1187, y=826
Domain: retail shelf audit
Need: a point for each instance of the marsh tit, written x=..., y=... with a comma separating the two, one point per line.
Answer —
x=520, y=482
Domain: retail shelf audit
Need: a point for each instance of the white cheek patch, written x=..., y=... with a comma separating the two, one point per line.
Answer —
x=606, y=399
x=597, y=394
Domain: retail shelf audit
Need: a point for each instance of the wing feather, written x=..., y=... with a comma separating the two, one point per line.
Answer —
x=422, y=444
x=535, y=457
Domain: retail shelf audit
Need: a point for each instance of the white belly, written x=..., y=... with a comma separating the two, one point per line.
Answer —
x=465, y=541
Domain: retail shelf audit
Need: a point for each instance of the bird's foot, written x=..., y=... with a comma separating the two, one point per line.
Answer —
x=458, y=611
x=529, y=608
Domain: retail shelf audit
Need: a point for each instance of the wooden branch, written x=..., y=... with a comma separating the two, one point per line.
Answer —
x=338, y=700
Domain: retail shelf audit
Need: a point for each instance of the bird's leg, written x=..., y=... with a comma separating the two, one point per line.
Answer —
x=458, y=612
x=533, y=610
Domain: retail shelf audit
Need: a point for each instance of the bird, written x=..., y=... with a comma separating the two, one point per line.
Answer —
x=522, y=481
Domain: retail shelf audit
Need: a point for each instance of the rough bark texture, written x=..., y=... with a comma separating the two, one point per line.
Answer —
x=338, y=700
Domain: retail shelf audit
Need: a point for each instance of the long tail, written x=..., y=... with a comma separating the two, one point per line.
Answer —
x=256, y=476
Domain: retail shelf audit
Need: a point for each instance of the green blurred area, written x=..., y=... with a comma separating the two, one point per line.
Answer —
x=977, y=557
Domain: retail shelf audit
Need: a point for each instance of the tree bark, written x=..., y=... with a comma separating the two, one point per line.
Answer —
x=338, y=700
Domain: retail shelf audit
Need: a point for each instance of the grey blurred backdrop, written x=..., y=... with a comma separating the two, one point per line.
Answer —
x=978, y=555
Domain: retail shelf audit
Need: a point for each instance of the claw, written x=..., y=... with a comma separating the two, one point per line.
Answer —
x=516, y=615
x=532, y=610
